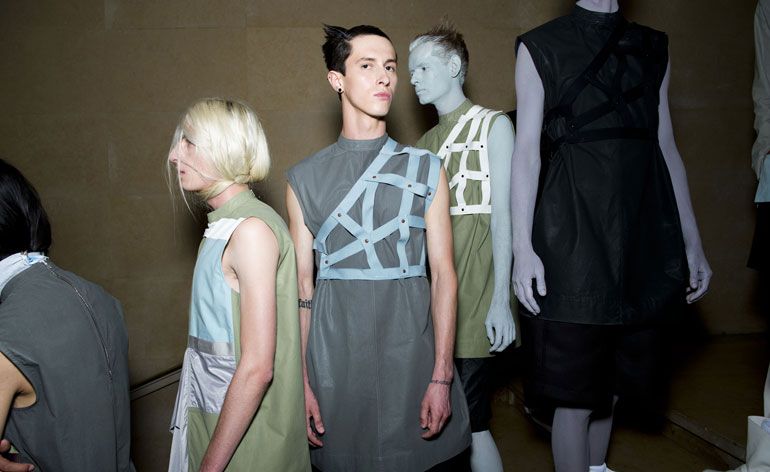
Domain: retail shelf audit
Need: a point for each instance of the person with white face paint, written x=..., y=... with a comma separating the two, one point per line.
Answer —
x=475, y=145
x=380, y=386
x=609, y=237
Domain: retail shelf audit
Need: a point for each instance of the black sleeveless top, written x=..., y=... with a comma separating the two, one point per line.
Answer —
x=606, y=224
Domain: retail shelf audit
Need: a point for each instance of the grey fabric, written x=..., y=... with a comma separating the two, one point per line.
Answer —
x=67, y=336
x=371, y=351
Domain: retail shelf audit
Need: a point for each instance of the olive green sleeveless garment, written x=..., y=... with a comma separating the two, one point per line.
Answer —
x=276, y=438
x=471, y=234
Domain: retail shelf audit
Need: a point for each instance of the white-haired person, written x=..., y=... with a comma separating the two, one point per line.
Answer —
x=240, y=401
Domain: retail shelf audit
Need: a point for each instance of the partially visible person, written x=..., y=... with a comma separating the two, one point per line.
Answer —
x=758, y=444
x=240, y=402
x=64, y=391
x=760, y=249
x=475, y=145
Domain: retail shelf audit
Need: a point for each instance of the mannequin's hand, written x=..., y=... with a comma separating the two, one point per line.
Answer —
x=700, y=273
x=501, y=331
x=528, y=266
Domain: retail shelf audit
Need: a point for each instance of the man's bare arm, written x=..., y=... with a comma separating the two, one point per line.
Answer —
x=525, y=170
x=436, y=408
x=303, y=247
x=12, y=384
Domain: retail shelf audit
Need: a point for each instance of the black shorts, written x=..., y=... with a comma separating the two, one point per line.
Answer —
x=474, y=376
x=759, y=258
x=583, y=366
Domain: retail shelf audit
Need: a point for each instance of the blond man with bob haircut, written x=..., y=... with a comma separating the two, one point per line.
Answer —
x=240, y=398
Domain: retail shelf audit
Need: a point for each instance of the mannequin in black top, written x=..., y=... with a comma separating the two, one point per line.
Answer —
x=610, y=232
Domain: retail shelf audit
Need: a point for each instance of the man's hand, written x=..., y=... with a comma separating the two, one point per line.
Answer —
x=8, y=466
x=501, y=331
x=700, y=273
x=528, y=266
x=435, y=409
x=313, y=421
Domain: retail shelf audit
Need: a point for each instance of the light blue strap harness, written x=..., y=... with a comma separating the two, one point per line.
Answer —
x=365, y=234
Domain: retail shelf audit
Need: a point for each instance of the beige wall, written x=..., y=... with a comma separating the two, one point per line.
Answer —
x=91, y=89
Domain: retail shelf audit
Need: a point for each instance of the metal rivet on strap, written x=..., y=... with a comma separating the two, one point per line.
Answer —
x=374, y=176
x=403, y=220
x=326, y=261
x=339, y=214
x=482, y=146
x=403, y=270
x=430, y=193
x=409, y=185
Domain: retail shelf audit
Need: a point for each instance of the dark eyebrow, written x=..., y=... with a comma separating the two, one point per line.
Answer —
x=371, y=59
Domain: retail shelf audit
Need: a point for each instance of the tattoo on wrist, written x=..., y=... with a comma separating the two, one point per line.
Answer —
x=305, y=303
x=441, y=382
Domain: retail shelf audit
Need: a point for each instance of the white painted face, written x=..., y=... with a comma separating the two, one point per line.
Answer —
x=430, y=72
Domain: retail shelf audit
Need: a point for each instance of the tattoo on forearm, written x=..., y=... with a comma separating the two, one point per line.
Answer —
x=305, y=303
x=441, y=382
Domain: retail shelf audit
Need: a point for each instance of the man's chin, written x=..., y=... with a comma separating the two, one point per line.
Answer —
x=379, y=114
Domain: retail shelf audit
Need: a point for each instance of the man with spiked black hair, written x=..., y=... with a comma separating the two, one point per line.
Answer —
x=379, y=389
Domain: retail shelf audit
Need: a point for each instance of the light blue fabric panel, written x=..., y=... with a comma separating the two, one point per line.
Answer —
x=211, y=318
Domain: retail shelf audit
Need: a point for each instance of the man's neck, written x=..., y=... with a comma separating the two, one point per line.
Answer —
x=449, y=102
x=603, y=6
x=357, y=125
x=228, y=193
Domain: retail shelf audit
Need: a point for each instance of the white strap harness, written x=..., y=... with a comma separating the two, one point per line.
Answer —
x=480, y=118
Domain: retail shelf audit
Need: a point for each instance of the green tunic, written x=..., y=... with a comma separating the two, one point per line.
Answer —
x=472, y=237
x=276, y=438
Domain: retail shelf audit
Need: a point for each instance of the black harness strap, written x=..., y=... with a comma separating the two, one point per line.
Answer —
x=605, y=133
x=617, y=99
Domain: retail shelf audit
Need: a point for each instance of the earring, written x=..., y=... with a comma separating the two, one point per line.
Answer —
x=339, y=90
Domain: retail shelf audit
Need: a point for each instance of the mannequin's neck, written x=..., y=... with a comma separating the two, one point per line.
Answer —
x=602, y=6
x=450, y=100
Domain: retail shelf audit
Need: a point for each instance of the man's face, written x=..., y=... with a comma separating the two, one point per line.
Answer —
x=195, y=172
x=431, y=75
x=370, y=75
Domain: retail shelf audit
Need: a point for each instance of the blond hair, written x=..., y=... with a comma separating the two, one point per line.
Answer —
x=229, y=135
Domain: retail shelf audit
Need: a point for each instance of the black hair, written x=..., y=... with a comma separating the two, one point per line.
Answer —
x=336, y=48
x=24, y=225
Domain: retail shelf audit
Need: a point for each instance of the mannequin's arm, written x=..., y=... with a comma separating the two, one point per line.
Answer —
x=501, y=330
x=525, y=170
x=700, y=272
